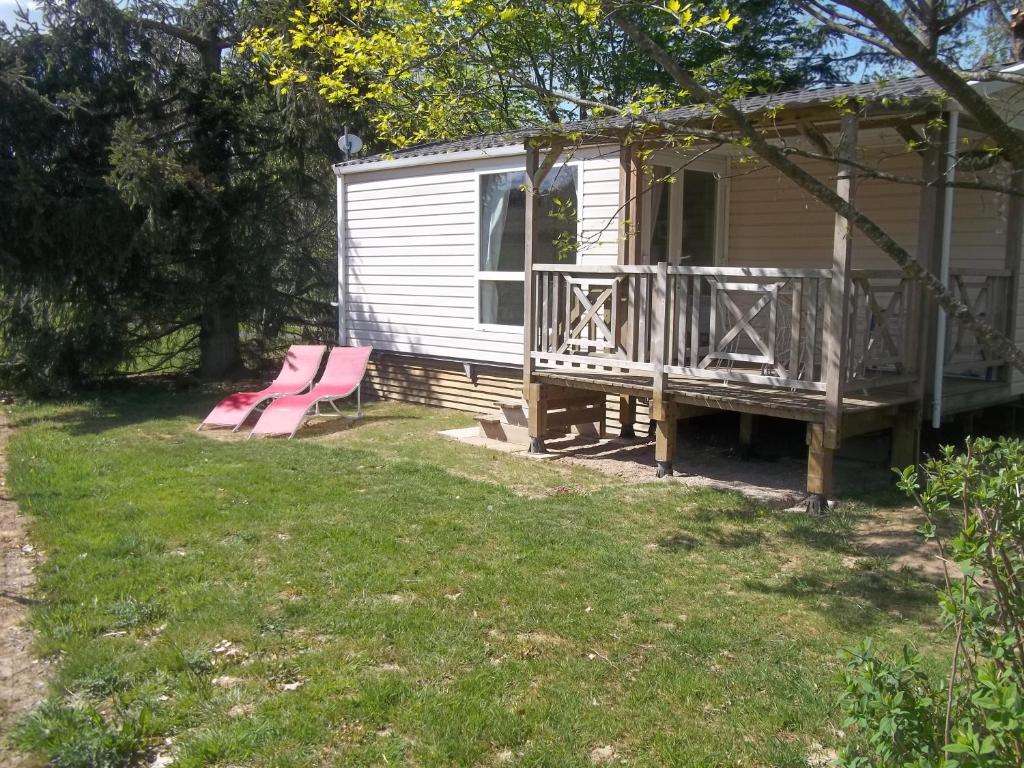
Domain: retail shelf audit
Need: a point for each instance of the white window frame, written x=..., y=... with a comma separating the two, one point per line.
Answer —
x=718, y=165
x=495, y=276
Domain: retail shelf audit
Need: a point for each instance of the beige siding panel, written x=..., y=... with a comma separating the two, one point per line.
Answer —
x=774, y=223
x=599, y=210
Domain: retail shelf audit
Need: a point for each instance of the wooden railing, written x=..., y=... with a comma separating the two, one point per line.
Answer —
x=986, y=293
x=879, y=309
x=732, y=324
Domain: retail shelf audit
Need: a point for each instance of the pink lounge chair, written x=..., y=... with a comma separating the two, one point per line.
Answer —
x=342, y=376
x=297, y=374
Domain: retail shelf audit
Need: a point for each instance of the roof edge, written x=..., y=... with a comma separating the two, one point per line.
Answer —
x=506, y=149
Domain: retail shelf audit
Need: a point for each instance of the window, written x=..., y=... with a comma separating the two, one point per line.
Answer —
x=502, y=237
x=700, y=197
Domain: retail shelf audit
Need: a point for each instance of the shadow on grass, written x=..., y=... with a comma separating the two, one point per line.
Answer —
x=685, y=542
x=331, y=425
x=846, y=598
x=135, y=403
x=96, y=411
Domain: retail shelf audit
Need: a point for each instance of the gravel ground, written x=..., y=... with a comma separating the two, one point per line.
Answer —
x=22, y=677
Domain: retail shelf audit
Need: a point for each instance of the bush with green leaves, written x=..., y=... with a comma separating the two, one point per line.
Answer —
x=973, y=715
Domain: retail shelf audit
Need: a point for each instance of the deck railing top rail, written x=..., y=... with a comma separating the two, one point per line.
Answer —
x=652, y=269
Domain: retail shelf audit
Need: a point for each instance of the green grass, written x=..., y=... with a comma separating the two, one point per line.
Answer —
x=379, y=595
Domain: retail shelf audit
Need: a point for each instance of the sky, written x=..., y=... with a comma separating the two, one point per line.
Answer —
x=8, y=7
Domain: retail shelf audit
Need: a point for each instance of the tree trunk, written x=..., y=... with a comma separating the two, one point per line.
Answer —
x=1017, y=33
x=219, y=347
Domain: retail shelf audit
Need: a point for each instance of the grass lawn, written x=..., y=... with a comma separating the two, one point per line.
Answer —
x=381, y=596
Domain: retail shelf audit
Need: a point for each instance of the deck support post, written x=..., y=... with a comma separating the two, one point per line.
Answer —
x=663, y=411
x=746, y=435
x=627, y=416
x=630, y=252
x=824, y=440
x=536, y=417
x=626, y=253
x=532, y=391
x=819, y=469
x=663, y=414
x=905, y=447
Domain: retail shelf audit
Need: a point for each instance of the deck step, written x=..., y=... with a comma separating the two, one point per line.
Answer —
x=494, y=427
x=514, y=412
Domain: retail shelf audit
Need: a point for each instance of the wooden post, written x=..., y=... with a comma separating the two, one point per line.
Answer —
x=660, y=326
x=630, y=188
x=905, y=447
x=836, y=320
x=1014, y=254
x=663, y=411
x=532, y=391
x=634, y=207
x=746, y=435
x=625, y=194
x=627, y=416
x=536, y=416
x=819, y=469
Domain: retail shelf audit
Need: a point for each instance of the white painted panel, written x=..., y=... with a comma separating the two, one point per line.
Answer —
x=414, y=293
x=366, y=248
x=419, y=206
x=442, y=225
x=460, y=186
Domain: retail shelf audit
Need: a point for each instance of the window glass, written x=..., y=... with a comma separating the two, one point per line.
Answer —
x=501, y=302
x=699, y=202
x=661, y=194
x=503, y=236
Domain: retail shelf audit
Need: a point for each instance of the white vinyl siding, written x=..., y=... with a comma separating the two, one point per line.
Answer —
x=412, y=254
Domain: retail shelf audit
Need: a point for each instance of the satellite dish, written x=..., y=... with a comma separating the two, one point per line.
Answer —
x=349, y=143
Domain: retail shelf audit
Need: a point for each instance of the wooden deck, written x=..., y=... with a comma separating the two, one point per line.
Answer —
x=800, y=405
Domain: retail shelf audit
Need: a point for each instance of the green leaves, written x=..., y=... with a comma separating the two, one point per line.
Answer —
x=424, y=71
x=974, y=497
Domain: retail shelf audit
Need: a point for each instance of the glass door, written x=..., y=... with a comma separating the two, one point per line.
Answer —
x=682, y=217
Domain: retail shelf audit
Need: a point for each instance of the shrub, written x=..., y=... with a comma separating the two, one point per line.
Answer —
x=974, y=714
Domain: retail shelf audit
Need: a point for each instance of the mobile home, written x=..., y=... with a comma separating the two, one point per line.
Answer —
x=648, y=282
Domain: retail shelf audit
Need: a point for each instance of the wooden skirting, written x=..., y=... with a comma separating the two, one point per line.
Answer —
x=440, y=383
x=443, y=383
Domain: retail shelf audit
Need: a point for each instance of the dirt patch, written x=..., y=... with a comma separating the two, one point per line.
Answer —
x=604, y=755
x=22, y=677
x=776, y=483
x=892, y=536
